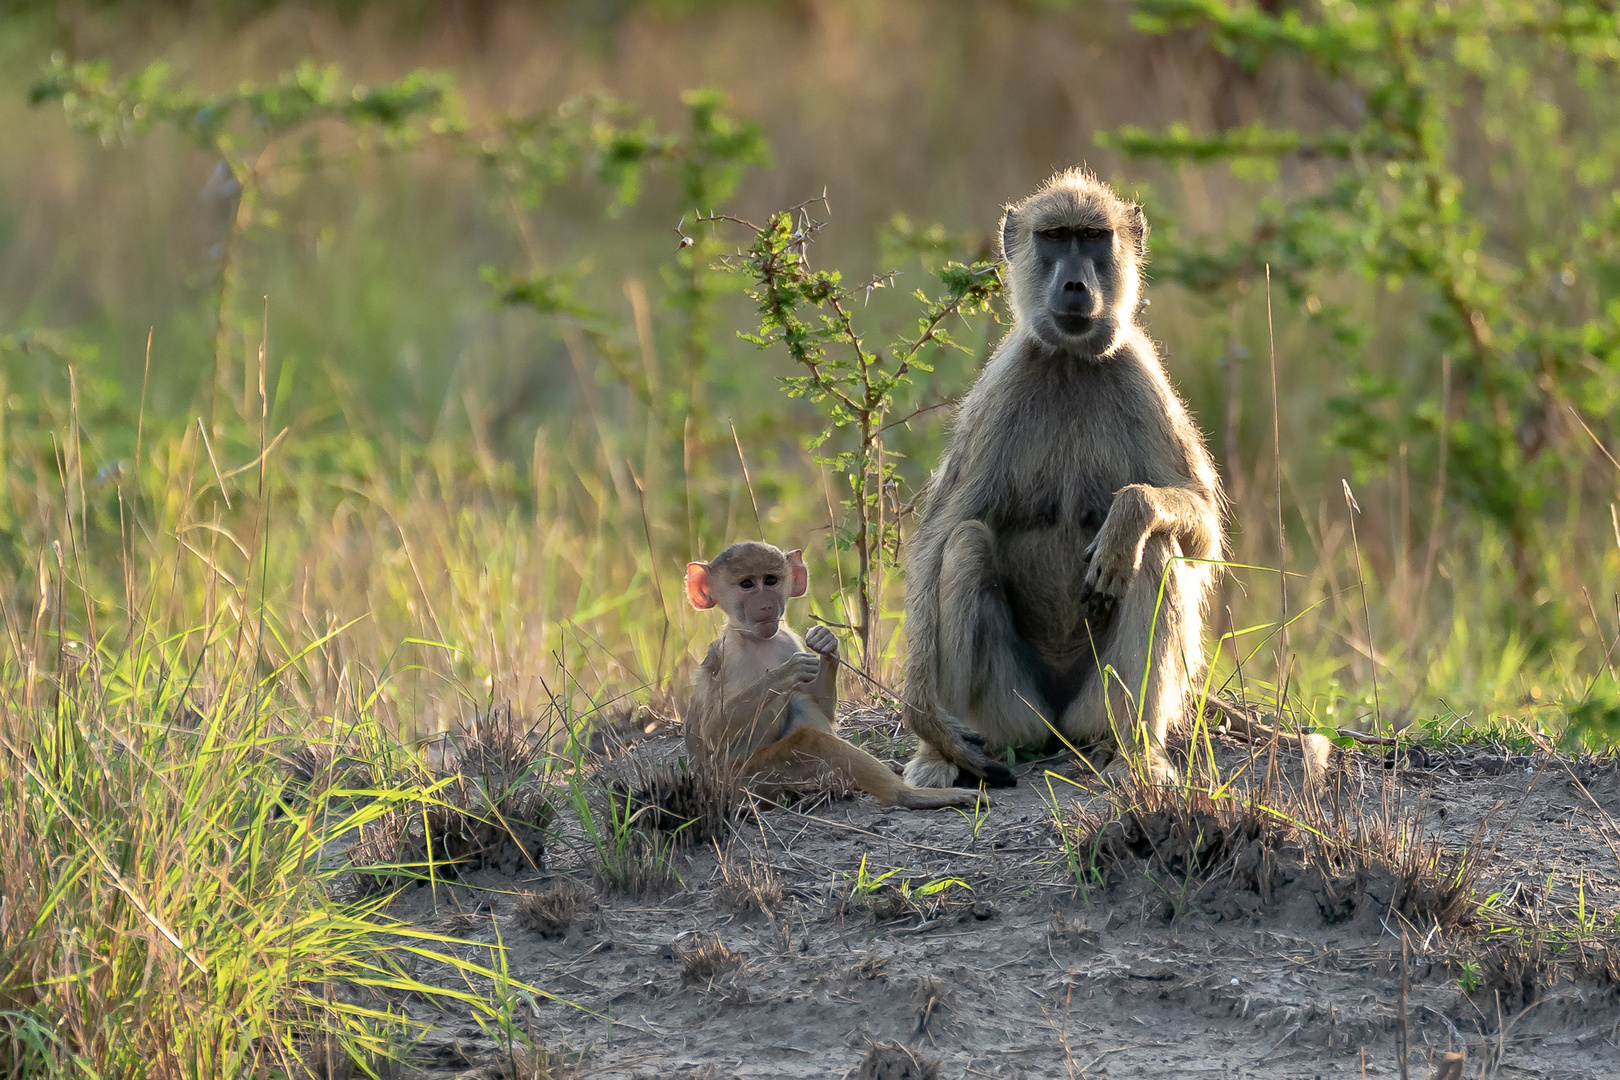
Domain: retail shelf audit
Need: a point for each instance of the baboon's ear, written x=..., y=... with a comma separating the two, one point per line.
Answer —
x=1009, y=231
x=1139, y=228
x=798, y=572
x=697, y=585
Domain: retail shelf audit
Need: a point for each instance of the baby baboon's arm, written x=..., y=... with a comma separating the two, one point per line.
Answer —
x=733, y=723
x=824, y=690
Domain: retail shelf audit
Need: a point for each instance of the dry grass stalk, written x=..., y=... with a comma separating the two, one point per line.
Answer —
x=753, y=887
x=1450, y=1066
x=529, y=1059
x=933, y=999
x=707, y=958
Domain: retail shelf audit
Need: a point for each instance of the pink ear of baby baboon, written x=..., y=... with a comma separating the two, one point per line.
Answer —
x=697, y=585
x=799, y=572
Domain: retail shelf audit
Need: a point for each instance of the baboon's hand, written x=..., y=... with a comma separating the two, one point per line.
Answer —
x=800, y=668
x=979, y=766
x=1114, y=557
x=968, y=755
x=821, y=640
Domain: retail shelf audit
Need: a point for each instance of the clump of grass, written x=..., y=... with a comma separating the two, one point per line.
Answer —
x=1430, y=884
x=933, y=998
x=640, y=865
x=623, y=857
x=452, y=828
x=315, y=767
x=707, y=958
x=497, y=750
x=896, y=1061
x=636, y=822
x=628, y=725
x=692, y=804
x=490, y=806
x=531, y=1059
x=549, y=913
x=1189, y=833
x=890, y=898
x=1513, y=972
x=1205, y=835
x=746, y=888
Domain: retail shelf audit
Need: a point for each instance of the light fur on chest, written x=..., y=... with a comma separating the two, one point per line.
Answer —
x=744, y=666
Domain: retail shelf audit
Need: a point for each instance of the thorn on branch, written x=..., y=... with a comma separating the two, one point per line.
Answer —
x=883, y=281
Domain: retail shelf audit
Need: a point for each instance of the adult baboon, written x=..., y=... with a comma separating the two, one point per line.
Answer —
x=1074, y=484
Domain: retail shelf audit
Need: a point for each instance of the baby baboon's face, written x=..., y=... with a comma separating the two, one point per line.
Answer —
x=751, y=582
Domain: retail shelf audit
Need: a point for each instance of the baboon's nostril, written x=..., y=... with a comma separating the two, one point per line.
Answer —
x=1074, y=286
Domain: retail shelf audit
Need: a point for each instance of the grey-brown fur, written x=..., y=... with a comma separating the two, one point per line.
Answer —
x=1074, y=478
x=751, y=557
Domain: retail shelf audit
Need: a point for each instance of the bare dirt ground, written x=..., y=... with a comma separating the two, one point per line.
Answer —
x=1018, y=971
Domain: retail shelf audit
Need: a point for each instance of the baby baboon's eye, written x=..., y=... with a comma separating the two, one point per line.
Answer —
x=770, y=581
x=745, y=584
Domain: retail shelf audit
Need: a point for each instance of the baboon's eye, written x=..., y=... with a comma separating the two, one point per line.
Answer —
x=1054, y=234
x=746, y=584
x=1093, y=232
x=770, y=581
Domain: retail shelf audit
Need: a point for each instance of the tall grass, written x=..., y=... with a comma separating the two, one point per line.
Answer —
x=166, y=906
x=172, y=889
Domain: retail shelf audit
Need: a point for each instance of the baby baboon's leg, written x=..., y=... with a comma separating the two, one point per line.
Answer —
x=1167, y=647
x=808, y=752
x=982, y=679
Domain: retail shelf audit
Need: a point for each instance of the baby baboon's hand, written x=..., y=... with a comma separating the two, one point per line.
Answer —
x=821, y=640
x=801, y=668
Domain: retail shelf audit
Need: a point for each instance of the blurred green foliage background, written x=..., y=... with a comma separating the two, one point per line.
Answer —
x=483, y=312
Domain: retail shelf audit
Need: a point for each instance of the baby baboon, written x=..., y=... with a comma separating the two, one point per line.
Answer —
x=1074, y=484
x=764, y=704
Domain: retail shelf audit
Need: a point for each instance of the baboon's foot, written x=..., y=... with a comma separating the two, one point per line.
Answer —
x=941, y=798
x=928, y=768
x=1156, y=770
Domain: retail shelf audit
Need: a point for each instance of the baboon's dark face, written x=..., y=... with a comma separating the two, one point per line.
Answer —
x=1074, y=249
x=1075, y=263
